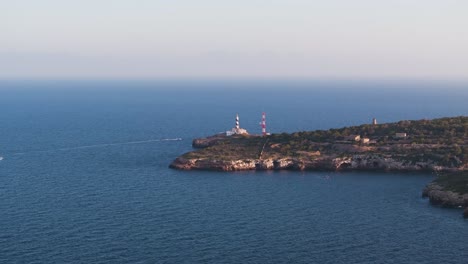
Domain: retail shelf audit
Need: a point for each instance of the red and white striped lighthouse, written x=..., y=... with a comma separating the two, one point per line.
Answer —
x=263, y=124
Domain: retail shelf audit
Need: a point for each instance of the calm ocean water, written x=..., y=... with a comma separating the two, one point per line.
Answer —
x=84, y=177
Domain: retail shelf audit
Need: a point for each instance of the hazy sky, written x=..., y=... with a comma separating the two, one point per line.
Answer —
x=326, y=39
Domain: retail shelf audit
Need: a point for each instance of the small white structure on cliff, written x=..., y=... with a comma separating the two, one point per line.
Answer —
x=353, y=138
x=365, y=140
x=400, y=135
x=237, y=130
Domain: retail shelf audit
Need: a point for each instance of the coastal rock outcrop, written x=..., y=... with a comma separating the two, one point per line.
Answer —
x=283, y=164
x=215, y=165
x=439, y=196
x=465, y=213
x=267, y=164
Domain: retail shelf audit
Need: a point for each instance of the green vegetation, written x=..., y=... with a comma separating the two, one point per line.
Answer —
x=231, y=148
x=456, y=182
x=452, y=130
x=442, y=142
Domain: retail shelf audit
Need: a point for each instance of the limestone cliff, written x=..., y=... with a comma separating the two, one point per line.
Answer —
x=355, y=162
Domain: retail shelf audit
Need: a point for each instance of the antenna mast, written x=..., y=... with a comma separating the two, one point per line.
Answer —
x=263, y=124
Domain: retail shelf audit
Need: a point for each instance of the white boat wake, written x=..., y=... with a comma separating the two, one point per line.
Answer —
x=95, y=146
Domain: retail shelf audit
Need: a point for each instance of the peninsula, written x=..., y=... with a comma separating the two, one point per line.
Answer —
x=438, y=145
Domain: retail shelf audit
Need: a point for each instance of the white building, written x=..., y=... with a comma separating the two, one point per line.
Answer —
x=401, y=135
x=237, y=130
x=353, y=138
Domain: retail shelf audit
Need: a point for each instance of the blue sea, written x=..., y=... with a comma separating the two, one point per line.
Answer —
x=85, y=178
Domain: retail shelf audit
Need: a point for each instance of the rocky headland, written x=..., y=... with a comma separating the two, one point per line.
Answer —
x=438, y=145
x=449, y=190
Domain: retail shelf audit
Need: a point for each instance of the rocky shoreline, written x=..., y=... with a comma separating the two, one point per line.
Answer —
x=354, y=162
x=440, y=196
x=436, y=193
x=439, y=145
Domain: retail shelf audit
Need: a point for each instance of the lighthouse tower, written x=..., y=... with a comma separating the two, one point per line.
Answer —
x=237, y=130
x=263, y=124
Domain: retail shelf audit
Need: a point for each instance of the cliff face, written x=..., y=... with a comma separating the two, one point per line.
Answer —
x=239, y=165
x=215, y=165
x=355, y=162
x=379, y=162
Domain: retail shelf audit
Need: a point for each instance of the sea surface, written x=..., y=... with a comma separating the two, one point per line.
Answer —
x=85, y=179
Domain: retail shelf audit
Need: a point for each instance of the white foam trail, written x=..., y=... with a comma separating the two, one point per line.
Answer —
x=98, y=146
x=171, y=139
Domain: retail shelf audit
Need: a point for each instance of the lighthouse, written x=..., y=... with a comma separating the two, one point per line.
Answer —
x=237, y=130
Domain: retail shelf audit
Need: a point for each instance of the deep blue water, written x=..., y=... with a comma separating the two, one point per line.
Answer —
x=67, y=197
